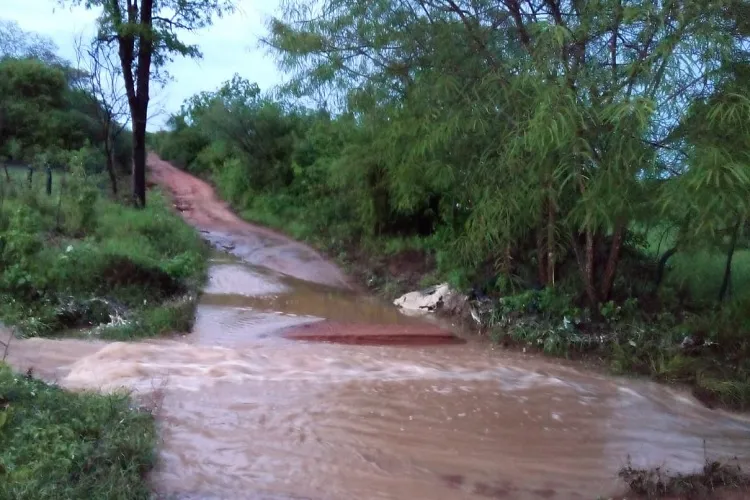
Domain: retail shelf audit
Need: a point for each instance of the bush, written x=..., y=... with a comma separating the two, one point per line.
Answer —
x=100, y=250
x=234, y=183
x=715, y=477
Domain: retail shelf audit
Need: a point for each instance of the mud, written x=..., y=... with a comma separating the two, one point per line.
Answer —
x=245, y=412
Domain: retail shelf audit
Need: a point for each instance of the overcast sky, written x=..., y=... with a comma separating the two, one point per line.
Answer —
x=229, y=46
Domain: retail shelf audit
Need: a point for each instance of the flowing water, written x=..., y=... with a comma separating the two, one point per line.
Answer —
x=245, y=413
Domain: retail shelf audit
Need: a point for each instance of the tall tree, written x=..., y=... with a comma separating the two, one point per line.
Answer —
x=550, y=120
x=146, y=34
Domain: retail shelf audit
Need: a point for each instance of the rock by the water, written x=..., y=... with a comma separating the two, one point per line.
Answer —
x=441, y=297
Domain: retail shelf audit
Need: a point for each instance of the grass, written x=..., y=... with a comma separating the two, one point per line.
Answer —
x=709, y=352
x=77, y=259
x=714, y=478
x=700, y=271
x=174, y=316
x=73, y=263
x=61, y=445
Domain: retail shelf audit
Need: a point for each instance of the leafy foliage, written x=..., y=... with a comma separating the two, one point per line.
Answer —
x=59, y=253
x=146, y=37
x=553, y=123
x=43, y=112
x=533, y=150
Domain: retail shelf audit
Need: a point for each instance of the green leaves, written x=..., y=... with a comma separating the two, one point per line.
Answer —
x=539, y=131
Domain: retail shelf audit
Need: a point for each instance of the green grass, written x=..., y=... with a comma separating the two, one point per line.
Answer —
x=170, y=317
x=61, y=445
x=700, y=271
x=708, y=350
x=61, y=254
x=717, y=371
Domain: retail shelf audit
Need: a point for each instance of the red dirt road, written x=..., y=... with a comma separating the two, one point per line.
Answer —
x=263, y=247
x=257, y=245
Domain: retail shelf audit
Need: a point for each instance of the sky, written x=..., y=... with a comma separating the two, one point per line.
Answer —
x=229, y=46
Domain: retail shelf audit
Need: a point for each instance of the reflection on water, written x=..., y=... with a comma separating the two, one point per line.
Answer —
x=246, y=413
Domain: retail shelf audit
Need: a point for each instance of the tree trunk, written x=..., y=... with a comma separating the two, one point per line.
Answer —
x=137, y=86
x=663, y=265
x=63, y=184
x=726, y=281
x=590, y=270
x=109, y=149
x=508, y=262
x=139, y=163
x=610, y=271
x=143, y=77
x=541, y=256
x=551, y=221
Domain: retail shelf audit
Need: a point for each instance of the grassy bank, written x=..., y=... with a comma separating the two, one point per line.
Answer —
x=715, y=480
x=78, y=261
x=706, y=351
x=59, y=445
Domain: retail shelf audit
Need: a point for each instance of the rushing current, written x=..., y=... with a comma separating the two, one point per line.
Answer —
x=244, y=412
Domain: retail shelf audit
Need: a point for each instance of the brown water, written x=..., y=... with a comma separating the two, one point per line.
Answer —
x=246, y=414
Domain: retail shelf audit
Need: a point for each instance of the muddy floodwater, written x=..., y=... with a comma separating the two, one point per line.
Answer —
x=245, y=412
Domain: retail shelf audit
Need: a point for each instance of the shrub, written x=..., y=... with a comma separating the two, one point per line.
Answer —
x=124, y=256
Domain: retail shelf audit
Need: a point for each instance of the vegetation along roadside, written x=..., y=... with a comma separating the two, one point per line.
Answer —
x=78, y=257
x=567, y=168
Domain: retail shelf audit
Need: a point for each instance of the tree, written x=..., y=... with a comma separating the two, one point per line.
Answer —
x=260, y=130
x=146, y=35
x=101, y=81
x=20, y=44
x=32, y=103
x=713, y=137
x=549, y=120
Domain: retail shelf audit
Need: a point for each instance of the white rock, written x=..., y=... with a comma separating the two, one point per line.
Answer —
x=431, y=299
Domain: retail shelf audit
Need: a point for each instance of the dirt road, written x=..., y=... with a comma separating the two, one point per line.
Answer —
x=257, y=245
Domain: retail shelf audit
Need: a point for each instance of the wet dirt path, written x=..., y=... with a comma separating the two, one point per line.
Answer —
x=245, y=413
